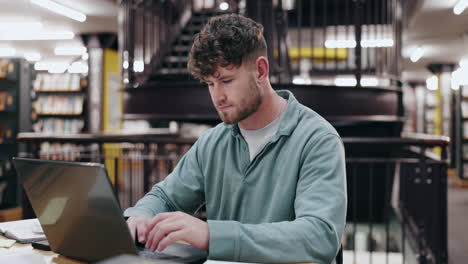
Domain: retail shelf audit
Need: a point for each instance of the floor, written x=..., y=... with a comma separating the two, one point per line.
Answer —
x=457, y=225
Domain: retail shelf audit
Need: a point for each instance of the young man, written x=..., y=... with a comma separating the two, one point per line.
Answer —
x=272, y=175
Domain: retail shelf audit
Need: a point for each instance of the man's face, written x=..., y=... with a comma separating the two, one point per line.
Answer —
x=234, y=93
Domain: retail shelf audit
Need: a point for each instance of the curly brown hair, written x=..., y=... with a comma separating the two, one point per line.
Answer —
x=226, y=40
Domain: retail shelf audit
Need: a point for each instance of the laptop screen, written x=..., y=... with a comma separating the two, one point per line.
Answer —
x=76, y=207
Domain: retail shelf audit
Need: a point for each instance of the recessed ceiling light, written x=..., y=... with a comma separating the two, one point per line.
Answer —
x=14, y=26
x=60, y=9
x=36, y=35
x=460, y=6
x=417, y=54
x=7, y=51
x=69, y=51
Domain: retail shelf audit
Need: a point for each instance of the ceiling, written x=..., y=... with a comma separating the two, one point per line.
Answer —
x=433, y=25
x=101, y=17
x=442, y=34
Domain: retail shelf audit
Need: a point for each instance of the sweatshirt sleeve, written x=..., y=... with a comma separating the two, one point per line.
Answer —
x=181, y=190
x=320, y=208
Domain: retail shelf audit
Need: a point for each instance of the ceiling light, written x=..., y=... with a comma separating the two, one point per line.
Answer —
x=432, y=83
x=41, y=66
x=459, y=77
x=36, y=35
x=302, y=80
x=224, y=6
x=464, y=63
x=32, y=56
x=365, y=43
x=69, y=51
x=58, y=68
x=13, y=26
x=345, y=81
x=7, y=52
x=333, y=44
x=417, y=54
x=369, y=82
x=351, y=81
x=138, y=66
x=377, y=43
x=78, y=67
x=60, y=9
x=460, y=6
x=51, y=67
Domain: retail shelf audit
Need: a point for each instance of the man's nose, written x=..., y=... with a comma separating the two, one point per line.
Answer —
x=218, y=94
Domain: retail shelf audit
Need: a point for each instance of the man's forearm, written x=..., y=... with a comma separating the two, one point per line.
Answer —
x=150, y=205
x=307, y=239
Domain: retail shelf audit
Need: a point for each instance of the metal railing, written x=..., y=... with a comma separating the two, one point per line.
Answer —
x=146, y=31
x=326, y=38
x=397, y=191
x=306, y=38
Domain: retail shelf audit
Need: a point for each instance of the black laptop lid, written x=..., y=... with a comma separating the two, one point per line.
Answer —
x=76, y=207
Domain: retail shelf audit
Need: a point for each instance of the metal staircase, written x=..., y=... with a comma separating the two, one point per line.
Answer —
x=166, y=91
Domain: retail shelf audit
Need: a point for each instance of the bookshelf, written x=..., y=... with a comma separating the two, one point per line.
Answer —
x=461, y=132
x=430, y=105
x=15, y=109
x=59, y=103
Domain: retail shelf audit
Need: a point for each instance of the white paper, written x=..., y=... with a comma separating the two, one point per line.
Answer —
x=23, y=230
x=22, y=257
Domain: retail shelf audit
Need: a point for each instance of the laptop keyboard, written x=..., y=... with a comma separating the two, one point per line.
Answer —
x=148, y=254
x=175, y=253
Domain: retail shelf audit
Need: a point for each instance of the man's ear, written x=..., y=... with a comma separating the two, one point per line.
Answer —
x=262, y=68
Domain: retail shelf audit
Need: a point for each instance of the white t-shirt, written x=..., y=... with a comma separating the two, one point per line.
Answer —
x=257, y=139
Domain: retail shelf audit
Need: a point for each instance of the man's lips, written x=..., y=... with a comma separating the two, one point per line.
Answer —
x=224, y=108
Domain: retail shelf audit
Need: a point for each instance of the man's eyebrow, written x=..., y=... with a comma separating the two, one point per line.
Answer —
x=225, y=77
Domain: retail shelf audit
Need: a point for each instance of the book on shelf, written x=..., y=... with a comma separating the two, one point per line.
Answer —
x=57, y=82
x=68, y=105
x=23, y=231
x=59, y=125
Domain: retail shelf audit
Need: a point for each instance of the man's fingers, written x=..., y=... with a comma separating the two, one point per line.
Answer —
x=141, y=229
x=131, y=227
x=160, y=231
x=158, y=218
x=171, y=238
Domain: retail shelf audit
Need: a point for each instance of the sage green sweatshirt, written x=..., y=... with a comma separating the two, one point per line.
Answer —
x=286, y=205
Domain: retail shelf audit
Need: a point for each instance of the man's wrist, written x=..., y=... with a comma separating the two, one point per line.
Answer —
x=223, y=242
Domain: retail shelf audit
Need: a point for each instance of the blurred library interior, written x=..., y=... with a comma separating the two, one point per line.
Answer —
x=106, y=81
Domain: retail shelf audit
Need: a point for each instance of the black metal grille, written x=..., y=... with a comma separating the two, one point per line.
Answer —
x=311, y=40
x=397, y=193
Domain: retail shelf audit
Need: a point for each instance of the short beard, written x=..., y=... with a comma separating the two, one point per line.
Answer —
x=247, y=106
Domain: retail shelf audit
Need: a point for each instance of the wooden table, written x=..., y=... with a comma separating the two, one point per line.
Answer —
x=49, y=256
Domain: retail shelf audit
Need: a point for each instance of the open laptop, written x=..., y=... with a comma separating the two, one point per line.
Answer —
x=80, y=215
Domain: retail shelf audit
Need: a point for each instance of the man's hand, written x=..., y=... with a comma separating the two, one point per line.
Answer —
x=166, y=228
x=140, y=224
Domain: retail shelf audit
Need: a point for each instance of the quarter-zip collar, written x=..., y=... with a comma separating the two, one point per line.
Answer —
x=288, y=121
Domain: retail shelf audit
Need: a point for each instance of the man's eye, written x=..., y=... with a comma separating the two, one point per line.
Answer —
x=227, y=81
